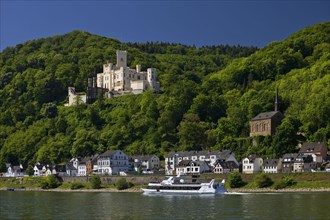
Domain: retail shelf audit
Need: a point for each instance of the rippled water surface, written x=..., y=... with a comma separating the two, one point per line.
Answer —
x=87, y=205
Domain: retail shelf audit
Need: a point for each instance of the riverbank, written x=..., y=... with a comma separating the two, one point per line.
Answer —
x=138, y=190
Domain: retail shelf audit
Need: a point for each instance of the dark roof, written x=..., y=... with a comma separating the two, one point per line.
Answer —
x=60, y=168
x=227, y=164
x=312, y=147
x=69, y=166
x=266, y=115
x=184, y=163
x=304, y=158
x=252, y=157
x=270, y=162
x=142, y=157
x=109, y=153
x=291, y=156
x=222, y=153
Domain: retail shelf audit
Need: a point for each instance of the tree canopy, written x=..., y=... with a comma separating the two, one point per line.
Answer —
x=208, y=95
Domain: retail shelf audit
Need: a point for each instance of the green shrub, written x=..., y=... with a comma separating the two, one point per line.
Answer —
x=122, y=184
x=76, y=185
x=96, y=182
x=235, y=180
x=263, y=180
x=284, y=182
x=50, y=182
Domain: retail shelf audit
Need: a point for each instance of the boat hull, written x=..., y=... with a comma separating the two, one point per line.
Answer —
x=168, y=191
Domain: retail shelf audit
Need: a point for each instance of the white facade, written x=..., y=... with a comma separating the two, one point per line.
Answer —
x=192, y=167
x=82, y=169
x=119, y=77
x=112, y=162
x=14, y=171
x=252, y=165
x=272, y=166
x=146, y=162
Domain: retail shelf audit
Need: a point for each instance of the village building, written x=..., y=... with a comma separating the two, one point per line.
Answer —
x=91, y=165
x=265, y=123
x=318, y=151
x=252, y=164
x=272, y=166
x=82, y=168
x=303, y=163
x=189, y=167
x=14, y=171
x=221, y=167
x=288, y=162
x=112, y=162
x=146, y=162
x=39, y=169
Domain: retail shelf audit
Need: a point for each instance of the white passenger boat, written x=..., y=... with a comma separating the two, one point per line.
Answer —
x=178, y=185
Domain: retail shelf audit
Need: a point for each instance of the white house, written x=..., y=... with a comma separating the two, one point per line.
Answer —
x=272, y=165
x=187, y=167
x=14, y=171
x=146, y=162
x=82, y=170
x=252, y=164
x=39, y=169
x=112, y=162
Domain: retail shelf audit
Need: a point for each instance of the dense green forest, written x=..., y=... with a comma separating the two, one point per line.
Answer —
x=207, y=97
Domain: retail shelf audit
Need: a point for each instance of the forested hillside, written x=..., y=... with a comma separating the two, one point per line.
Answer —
x=207, y=97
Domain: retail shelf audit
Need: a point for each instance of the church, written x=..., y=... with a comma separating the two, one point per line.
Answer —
x=265, y=123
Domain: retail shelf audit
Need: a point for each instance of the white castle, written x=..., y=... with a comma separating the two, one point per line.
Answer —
x=120, y=77
x=117, y=80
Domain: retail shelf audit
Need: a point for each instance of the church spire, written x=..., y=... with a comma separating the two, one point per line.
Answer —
x=276, y=101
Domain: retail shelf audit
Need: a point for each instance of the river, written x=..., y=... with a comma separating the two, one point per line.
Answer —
x=101, y=205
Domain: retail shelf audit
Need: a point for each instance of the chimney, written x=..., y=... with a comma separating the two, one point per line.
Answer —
x=276, y=101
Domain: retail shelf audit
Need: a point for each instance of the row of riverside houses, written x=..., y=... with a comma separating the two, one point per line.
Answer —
x=312, y=156
x=111, y=162
x=193, y=162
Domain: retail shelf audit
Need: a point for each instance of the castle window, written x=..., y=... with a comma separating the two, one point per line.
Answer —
x=257, y=127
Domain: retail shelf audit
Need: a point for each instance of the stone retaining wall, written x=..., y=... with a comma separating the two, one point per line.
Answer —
x=136, y=180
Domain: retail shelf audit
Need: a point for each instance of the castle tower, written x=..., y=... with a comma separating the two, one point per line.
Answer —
x=121, y=58
x=151, y=77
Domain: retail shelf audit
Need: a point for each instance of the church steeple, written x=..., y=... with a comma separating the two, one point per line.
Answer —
x=276, y=101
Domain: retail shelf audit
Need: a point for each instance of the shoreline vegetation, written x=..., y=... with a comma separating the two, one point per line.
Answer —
x=138, y=190
x=235, y=183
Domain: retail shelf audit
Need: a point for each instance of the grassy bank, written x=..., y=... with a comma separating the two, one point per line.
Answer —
x=317, y=181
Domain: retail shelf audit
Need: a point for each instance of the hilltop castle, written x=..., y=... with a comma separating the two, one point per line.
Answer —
x=116, y=80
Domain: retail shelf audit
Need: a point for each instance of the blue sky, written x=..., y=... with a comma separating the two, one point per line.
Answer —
x=244, y=22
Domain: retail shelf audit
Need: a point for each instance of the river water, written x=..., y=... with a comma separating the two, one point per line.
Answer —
x=103, y=205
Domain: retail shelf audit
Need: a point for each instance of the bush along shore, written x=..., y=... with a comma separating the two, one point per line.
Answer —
x=235, y=182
